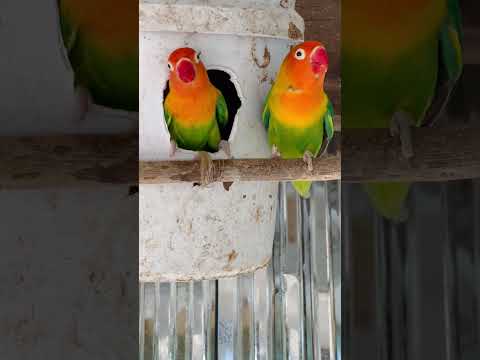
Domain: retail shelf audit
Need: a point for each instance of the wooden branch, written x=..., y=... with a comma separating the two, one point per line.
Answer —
x=325, y=168
x=367, y=155
x=68, y=160
x=440, y=154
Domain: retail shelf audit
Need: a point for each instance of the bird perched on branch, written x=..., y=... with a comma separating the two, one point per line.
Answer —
x=400, y=62
x=298, y=114
x=101, y=41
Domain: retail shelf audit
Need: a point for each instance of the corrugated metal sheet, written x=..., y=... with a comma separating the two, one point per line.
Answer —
x=412, y=291
x=289, y=310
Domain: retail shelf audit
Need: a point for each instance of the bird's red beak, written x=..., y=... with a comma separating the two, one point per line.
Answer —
x=319, y=60
x=186, y=71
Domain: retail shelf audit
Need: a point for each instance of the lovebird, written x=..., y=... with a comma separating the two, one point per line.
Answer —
x=400, y=62
x=298, y=115
x=194, y=109
x=101, y=41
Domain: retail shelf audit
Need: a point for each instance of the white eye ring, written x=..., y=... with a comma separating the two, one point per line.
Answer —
x=197, y=57
x=170, y=66
x=300, y=54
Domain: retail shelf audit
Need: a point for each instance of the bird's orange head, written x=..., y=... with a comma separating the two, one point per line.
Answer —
x=186, y=69
x=306, y=64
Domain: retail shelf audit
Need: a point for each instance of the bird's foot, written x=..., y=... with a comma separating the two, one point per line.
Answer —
x=173, y=148
x=401, y=125
x=206, y=168
x=225, y=146
x=308, y=159
x=275, y=152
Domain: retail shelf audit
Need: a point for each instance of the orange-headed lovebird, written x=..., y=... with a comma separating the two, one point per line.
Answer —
x=194, y=109
x=298, y=113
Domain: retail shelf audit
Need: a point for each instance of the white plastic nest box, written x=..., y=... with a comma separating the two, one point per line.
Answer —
x=190, y=232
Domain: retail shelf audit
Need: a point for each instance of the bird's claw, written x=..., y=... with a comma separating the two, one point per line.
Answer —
x=206, y=168
x=275, y=152
x=308, y=159
x=225, y=146
x=173, y=148
x=401, y=126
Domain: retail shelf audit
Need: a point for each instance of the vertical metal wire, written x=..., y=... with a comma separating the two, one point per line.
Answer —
x=300, y=275
x=307, y=279
x=449, y=281
x=252, y=322
x=262, y=314
x=316, y=257
x=208, y=319
x=476, y=261
x=141, y=326
x=347, y=298
x=172, y=322
x=156, y=317
x=413, y=313
x=227, y=318
x=189, y=322
x=381, y=271
x=279, y=251
x=333, y=252
x=397, y=288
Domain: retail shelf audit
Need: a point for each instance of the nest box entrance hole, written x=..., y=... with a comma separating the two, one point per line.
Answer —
x=222, y=80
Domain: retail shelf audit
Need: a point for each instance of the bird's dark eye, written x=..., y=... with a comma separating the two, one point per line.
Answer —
x=300, y=54
x=170, y=66
x=197, y=57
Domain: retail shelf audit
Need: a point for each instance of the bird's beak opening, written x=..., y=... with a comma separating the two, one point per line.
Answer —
x=319, y=61
x=186, y=71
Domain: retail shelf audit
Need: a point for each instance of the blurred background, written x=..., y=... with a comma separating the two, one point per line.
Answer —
x=412, y=290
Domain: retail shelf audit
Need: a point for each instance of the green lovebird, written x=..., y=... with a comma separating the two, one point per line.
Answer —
x=298, y=114
x=400, y=62
x=194, y=109
x=101, y=39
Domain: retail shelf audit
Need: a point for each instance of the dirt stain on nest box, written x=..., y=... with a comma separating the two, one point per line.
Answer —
x=266, y=57
x=231, y=258
x=294, y=32
x=258, y=215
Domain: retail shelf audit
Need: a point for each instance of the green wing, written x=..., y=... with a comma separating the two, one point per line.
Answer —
x=451, y=41
x=328, y=129
x=221, y=111
x=168, y=116
x=450, y=62
x=328, y=121
x=266, y=112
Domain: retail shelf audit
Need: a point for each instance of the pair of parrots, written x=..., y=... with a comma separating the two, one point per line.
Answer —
x=298, y=115
x=400, y=62
x=104, y=58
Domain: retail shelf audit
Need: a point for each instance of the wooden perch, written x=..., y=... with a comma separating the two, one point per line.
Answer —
x=440, y=154
x=68, y=160
x=325, y=168
x=367, y=155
